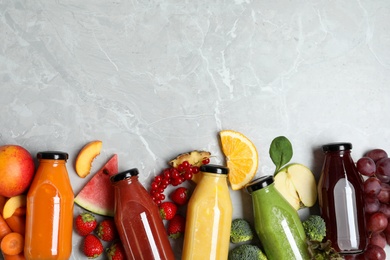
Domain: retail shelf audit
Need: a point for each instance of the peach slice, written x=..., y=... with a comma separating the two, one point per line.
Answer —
x=12, y=204
x=14, y=213
x=86, y=156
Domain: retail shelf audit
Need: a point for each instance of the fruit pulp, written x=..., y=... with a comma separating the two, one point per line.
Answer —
x=209, y=217
x=138, y=222
x=340, y=194
x=49, y=216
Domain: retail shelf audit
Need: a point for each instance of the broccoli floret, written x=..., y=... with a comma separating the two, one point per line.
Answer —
x=240, y=231
x=315, y=228
x=246, y=252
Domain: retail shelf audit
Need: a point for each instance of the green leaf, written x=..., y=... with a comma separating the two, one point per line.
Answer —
x=280, y=152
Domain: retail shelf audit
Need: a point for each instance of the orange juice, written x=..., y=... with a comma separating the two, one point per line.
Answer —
x=209, y=217
x=49, y=216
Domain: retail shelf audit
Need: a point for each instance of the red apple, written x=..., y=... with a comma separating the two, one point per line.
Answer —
x=17, y=170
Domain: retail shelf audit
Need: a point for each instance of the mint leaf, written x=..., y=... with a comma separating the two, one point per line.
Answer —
x=280, y=152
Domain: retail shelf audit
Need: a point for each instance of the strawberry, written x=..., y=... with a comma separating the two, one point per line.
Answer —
x=167, y=210
x=92, y=247
x=176, y=226
x=106, y=230
x=180, y=196
x=116, y=251
x=85, y=223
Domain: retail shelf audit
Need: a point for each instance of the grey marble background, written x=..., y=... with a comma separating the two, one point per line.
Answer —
x=152, y=79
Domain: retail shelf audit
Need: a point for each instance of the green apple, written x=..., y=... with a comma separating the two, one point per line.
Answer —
x=297, y=184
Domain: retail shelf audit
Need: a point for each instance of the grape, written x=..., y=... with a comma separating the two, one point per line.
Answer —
x=376, y=154
x=372, y=186
x=366, y=166
x=375, y=252
x=384, y=194
x=372, y=204
x=383, y=169
x=378, y=239
x=385, y=209
x=377, y=222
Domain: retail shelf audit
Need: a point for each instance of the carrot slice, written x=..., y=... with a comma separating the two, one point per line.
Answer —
x=4, y=228
x=12, y=244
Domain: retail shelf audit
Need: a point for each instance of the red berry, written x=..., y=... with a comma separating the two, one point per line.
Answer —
x=85, y=223
x=176, y=226
x=107, y=230
x=92, y=247
x=206, y=161
x=116, y=251
x=180, y=196
x=158, y=178
x=186, y=164
x=168, y=210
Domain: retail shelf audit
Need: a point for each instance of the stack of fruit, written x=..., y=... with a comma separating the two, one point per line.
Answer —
x=16, y=174
x=375, y=168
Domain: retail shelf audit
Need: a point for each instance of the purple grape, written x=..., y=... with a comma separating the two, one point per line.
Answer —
x=372, y=186
x=366, y=166
x=372, y=204
x=376, y=154
x=383, y=169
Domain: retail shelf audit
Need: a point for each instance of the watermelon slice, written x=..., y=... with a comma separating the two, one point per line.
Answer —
x=97, y=195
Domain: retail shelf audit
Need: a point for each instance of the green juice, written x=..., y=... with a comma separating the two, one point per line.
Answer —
x=277, y=223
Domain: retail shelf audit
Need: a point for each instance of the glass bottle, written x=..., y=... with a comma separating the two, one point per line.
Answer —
x=277, y=223
x=138, y=220
x=340, y=195
x=209, y=216
x=49, y=216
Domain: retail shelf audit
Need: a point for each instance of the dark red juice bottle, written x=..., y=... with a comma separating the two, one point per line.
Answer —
x=340, y=194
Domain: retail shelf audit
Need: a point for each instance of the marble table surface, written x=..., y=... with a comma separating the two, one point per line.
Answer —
x=153, y=79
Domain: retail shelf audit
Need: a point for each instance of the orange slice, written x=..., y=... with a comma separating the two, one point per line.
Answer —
x=241, y=158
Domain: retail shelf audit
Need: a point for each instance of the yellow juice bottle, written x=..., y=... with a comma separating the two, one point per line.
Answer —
x=209, y=217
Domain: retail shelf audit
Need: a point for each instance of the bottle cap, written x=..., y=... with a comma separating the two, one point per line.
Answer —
x=334, y=147
x=124, y=175
x=53, y=155
x=212, y=168
x=259, y=183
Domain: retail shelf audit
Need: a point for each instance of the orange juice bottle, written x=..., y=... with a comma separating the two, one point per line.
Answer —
x=49, y=216
x=209, y=216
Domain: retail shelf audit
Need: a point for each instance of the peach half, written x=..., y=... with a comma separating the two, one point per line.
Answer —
x=86, y=156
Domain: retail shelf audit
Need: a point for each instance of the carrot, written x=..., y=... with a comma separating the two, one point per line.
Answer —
x=17, y=223
x=12, y=244
x=4, y=228
x=21, y=211
x=19, y=256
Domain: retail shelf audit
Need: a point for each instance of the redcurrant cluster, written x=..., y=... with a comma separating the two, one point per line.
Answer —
x=174, y=176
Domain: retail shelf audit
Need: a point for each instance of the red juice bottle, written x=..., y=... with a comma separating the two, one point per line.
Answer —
x=138, y=220
x=340, y=194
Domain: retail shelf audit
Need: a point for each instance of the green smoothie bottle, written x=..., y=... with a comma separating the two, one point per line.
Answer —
x=277, y=223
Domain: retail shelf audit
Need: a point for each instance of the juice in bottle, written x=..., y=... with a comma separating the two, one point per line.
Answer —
x=340, y=196
x=138, y=220
x=277, y=223
x=49, y=216
x=209, y=216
